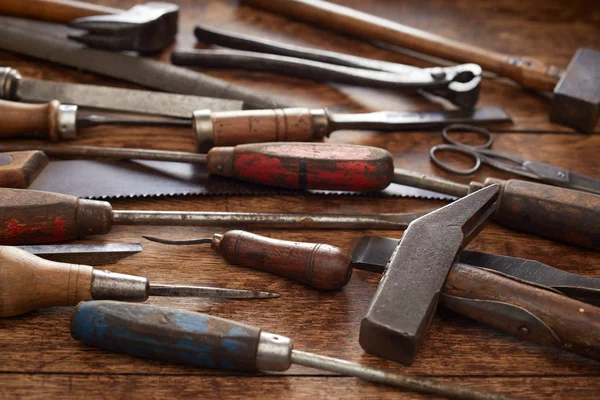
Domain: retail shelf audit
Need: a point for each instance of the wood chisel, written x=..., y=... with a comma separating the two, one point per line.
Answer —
x=28, y=282
x=89, y=254
x=205, y=341
x=33, y=217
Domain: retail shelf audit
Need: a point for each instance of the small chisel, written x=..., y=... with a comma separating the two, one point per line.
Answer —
x=205, y=341
x=34, y=217
x=90, y=254
x=28, y=282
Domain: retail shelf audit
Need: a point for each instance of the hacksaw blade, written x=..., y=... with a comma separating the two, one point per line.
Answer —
x=94, y=179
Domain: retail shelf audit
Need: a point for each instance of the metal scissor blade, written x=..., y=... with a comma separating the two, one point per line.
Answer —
x=584, y=183
x=556, y=176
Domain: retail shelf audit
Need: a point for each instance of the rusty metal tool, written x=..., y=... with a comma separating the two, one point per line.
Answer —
x=42, y=44
x=89, y=254
x=576, y=90
x=205, y=341
x=483, y=154
x=14, y=87
x=458, y=84
x=30, y=282
x=32, y=217
x=327, y=267
x=146, y=28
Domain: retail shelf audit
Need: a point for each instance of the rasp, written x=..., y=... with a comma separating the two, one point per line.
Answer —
x=14, y=87
x=88, y=254
x=140, y=70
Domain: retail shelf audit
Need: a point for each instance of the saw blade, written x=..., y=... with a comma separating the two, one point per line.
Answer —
x=94, y=179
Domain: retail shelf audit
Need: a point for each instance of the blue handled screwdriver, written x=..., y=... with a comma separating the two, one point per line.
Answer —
x=205, y=341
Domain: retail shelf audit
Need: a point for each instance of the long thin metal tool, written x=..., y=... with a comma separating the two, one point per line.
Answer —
x=89, y=254
x=204, y=341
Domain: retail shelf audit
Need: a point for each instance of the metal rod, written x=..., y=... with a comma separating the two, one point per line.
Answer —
x=271, y=220
x=87, y=121
x=427, y=182
x=416, y=384
x=179, y=242
x=207, y=291
x=114, y=153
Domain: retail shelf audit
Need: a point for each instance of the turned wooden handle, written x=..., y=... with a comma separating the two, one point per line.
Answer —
x=21, y=120
x=318, y=265
x=571, y=216
x=28, y=282
x=570, y=324
x=18, y=169
x=230, y=128
x=529, y=72
x=59, y=11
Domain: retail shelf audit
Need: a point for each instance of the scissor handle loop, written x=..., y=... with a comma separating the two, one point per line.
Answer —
x=469, y=128
x=455, y=149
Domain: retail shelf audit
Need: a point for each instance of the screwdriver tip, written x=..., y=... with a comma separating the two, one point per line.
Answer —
x=178, y=241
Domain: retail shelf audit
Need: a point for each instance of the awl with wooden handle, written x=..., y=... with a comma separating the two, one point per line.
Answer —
x=469, y=289
x=28, y=282
x=205, y=341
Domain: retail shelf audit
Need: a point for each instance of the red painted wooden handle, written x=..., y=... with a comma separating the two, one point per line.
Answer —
x=321, y=166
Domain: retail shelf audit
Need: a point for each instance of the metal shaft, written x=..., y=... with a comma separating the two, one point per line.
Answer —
x=427, y=182
x=88, y=121
x=271, y=220
x=416, y=384
x=207, y=291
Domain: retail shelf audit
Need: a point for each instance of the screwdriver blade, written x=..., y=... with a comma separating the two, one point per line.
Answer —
x=207, y=291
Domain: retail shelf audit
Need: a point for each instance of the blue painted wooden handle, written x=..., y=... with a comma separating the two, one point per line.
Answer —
x=166, y=334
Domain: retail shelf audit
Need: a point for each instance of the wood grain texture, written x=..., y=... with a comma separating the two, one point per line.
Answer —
x=60, y=11
x=38, y=358
x=20, y=120
x=19, y=168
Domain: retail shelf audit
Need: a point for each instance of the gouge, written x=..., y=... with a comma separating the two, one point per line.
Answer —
x=32, y=217
x=205, y=341
x=29, y=282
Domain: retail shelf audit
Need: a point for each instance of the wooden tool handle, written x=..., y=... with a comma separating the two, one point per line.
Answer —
x=566, y=215
x=507, y=304
x=34, y=217
x=319, y=166
x=230, y=128
x=318, y=265
x=29, y=120
x=529, y=72
x=28, y=282
x=18, y=169
x=59, y=11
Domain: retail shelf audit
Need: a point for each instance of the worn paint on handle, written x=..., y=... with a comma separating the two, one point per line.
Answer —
x=166, y=334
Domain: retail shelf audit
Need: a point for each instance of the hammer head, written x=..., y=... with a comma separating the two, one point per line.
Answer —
x=406, y=298
x=577, y=94
x=145, y=28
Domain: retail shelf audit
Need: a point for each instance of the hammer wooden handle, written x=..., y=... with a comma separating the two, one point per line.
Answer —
x=570, y=216
x=28, y=282
x=29, y=120
x=59, y=11
x=18, y=169
x=529, y=72
x=317, y=265
x=569, y=324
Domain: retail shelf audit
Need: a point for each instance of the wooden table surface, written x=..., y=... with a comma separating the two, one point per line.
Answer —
x=39, y=359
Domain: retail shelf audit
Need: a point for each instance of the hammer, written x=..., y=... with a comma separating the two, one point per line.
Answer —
x=576, y=90
x=146, y=28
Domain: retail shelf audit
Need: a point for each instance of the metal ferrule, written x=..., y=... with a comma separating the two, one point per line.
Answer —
x=9, y=82
x=108, y=285
x=203, y=126
x=320, y=121
x=67, y=120
x=274, y=352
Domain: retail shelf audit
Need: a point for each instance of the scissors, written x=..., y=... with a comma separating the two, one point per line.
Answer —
x=482, y=154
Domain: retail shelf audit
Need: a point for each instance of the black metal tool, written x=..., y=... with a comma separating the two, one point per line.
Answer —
x=458, y=84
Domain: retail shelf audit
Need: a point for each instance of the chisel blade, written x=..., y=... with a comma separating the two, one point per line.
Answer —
x=88, y=254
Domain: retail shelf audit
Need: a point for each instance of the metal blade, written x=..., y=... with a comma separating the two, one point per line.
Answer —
x=206, y=291
x=415, y=120
x=129, y=100
x=372, y=253
x=585, y=183
x=88, y=254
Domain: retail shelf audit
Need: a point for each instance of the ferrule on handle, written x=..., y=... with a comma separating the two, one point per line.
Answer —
x=319, y=166
x=179, y=336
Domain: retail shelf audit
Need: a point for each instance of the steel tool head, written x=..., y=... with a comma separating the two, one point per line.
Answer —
x=146, y=28
x=407, y=296
x=463, y=87
x=577, y=95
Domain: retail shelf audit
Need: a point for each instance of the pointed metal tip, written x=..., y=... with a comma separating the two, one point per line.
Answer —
x=266, y=295
x=178, y=242
x=209, y=292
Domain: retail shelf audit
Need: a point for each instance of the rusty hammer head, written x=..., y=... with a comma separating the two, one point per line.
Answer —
x=145, y=28
x=406, y=298
x=577, y=94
